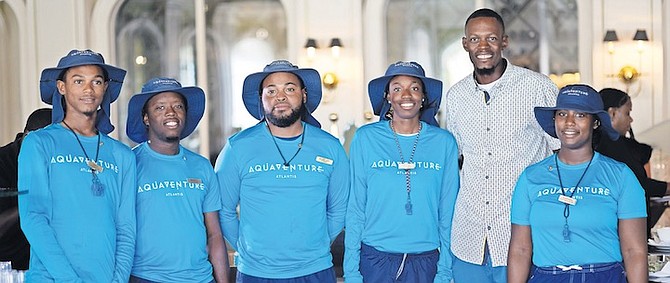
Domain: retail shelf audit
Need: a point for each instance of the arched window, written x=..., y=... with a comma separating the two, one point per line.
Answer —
x=252, y=33
x=148, y=45
x=157, y=38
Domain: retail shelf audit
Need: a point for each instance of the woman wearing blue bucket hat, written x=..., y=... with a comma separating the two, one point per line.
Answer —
x=577, y=216
x=404, y=184
x=77, y=184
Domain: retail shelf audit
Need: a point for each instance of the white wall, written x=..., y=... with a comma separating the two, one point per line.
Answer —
x=324, y=20
x=46, y=30
x=650, y=102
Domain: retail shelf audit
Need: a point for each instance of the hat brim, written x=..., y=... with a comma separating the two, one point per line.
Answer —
x=50, y=76
x=50, y=95
x=377, y=90
x=251, y=95
x=195, y=101
x=545, y=117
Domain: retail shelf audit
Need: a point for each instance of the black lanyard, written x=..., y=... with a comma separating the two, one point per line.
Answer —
x=566, y=210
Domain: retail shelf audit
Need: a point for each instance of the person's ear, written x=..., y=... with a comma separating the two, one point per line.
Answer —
x=60, y=85
x=464, y=42
x=145, y=119
x=505, y=42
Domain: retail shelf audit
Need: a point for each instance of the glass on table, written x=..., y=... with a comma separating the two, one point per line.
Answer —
x=19, y=276
x=5, y=266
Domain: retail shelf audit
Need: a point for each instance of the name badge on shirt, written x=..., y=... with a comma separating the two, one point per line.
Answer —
x=324, y=160
x=406, y=165
x=194, y=181
x=94, y=166
x=567, y=200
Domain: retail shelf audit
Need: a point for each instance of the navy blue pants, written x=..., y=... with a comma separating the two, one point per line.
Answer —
x=134, y=279
x=612, y=272
x=323, y=276
x=381, y=267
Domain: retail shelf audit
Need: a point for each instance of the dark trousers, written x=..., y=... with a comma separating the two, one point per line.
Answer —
x=612, y=272
x=381, y=267
x=134, y=279
x=324, y=276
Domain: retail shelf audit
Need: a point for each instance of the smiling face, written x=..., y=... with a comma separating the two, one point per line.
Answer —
x=484, y=41
x=165, y=116
x=406, y=94
x=83, y=88
x=574, y=128
x=283, y=98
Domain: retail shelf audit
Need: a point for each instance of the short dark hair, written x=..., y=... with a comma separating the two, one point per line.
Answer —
x=613, y=97
x=40, y=118
x=486, y=13
x=105, y=75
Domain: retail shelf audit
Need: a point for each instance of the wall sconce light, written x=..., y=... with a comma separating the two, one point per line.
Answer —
x=329, y=79
x=628, y=74
x=610, y=38
x=640, y=37
x=311, y=47
x=335, y=45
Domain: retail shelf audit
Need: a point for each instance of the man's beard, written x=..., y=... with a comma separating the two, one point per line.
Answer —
x=485, y=71
x=90, y=113
x=172, y=139
x=490, y=71
x=286, y=121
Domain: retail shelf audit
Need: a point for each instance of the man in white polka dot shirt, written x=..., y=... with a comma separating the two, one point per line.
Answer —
x=491, y=115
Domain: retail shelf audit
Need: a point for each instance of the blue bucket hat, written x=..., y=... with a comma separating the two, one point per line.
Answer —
x=195, y=106
x=251, y=90
x=576, y=97
x=378, y=87
x=50, y=95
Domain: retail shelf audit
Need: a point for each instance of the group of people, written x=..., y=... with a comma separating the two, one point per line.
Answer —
x=513, y=181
